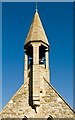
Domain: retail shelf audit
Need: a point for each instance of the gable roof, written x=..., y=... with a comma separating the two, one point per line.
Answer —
x=59, y=95
x=18, y=105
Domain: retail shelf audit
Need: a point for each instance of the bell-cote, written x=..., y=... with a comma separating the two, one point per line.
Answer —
x=36, y=49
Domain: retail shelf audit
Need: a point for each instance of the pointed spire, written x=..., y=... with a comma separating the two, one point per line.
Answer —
x=36, y=32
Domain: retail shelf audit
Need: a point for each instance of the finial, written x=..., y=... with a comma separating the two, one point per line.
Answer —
x=36, y=5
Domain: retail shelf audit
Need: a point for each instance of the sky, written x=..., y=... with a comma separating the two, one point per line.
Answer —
x=57, y=20
x=38, y=0
x=0, y=56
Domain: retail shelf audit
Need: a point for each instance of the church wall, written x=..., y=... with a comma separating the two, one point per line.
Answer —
x=50, y=104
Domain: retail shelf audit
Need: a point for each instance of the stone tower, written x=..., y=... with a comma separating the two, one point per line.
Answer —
x=37, y=98
x=36, y=61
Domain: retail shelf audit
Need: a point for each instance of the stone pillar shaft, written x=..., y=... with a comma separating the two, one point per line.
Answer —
x=47, y=65
x=26, y=68
x=35, y=54
x=36, y=75
x=26, y=62
x=47, y=60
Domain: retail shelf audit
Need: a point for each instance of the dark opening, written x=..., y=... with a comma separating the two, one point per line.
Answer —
x=30, y=55
x=42, y=55
x=25, y=118
x=50, y=117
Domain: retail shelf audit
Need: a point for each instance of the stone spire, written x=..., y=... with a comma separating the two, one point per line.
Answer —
x=36, y=32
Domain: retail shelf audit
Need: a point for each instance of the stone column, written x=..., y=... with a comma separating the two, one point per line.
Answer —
x=26, y=68
x=36, y=75
x=35, y=54
x=26, y=62
x=47, y=66
x=47, y=59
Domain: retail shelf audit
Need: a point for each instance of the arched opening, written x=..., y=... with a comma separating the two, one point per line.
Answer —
x=25, y=118
x=50, y=117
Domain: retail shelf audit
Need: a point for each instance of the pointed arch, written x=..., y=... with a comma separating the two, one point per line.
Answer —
x=25, y=118
x=50, y=117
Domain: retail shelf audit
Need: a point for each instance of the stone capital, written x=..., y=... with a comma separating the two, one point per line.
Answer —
x=36, y=44
x=46, y=49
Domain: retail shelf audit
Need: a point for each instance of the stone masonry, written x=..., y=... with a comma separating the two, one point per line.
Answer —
x=37, y=98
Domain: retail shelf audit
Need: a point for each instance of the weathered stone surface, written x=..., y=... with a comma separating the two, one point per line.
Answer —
x=37, y=98
x=36, y=32
x=50, y=104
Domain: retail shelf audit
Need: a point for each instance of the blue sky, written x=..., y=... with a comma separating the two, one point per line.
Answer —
x=57, y=19
x=0, y=55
